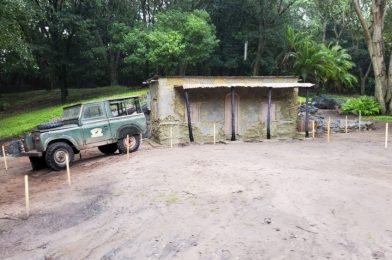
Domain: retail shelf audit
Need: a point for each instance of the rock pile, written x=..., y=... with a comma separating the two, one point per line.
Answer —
x=337, y=125
x=327, y=102
x=312, y=109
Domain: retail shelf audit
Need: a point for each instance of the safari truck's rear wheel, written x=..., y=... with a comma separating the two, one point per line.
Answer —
x=55, y=155
x=108, y=149
x=134, y=143
x=37, y=163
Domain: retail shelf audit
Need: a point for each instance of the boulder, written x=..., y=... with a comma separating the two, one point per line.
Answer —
x=326, y=102
x=302, y=109
x=12, y=148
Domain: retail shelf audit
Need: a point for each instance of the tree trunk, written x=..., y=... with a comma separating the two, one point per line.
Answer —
x=377, y=55
x=113, y=67
x=325, y=31
x=389, y=84
x=64, y=85
x=374, y=41
x=183, y=69
x=364, y=78
x=256, y=66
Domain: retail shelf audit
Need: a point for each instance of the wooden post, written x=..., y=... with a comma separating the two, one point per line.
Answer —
x=214, y=134
x=171, y=137
x=359, y=121
x=386, y=135
x=329, y=129
x=188, y=112
x=5, y=158
x=269, y=113
x=313, y=129
x=68, y=171
x=128, y=147
x=346, y=125
x=232, y=114
x=141, y=138
x=306, y=115
x=27, y=197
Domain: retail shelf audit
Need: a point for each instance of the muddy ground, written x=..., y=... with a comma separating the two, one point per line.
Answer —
x=295, y=199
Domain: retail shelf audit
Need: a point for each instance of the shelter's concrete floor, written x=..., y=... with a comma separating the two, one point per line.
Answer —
x=274, y=200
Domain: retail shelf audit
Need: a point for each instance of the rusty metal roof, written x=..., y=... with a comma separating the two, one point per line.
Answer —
x=249, y=84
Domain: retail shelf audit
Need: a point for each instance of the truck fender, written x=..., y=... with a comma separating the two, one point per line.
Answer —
x=128, y=130
x=64, y=138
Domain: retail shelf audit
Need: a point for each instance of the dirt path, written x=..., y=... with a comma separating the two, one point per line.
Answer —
x=272, y=200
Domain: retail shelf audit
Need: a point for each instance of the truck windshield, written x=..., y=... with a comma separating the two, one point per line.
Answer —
x=71, y=113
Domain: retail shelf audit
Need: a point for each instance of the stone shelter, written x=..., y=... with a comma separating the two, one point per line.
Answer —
x=207, y=109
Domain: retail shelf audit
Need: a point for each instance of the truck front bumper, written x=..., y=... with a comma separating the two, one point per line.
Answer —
x=32, y=153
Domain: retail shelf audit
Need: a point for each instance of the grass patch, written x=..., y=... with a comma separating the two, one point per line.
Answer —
x=170, y=198
x=379, y=118
x=28, y=109
x=301, y=100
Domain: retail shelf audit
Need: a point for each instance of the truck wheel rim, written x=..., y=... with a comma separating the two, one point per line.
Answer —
x=132, y=142
x=59, y=156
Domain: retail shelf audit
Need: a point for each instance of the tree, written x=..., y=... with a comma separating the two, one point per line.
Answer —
x=317, y=62
x=177, y=39
x=373, y=31
x=112, y=19
x=269, y=17
x=59, y=23
x=16, y=58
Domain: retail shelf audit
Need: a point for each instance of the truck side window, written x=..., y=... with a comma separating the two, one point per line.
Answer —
x=92, y=111
x=131, y=107
x=124, y=107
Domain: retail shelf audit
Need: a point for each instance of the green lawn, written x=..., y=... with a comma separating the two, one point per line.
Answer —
x=378, y=118
x=31, y=108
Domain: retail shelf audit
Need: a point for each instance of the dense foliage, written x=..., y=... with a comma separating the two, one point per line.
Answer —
x=73, y=43
x=365, y=105
x=317, y=62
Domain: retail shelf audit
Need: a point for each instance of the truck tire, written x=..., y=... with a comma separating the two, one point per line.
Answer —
x=55, y=155
x=108, y=149
x=134, y=143
x=50, y=125
x=37, y=163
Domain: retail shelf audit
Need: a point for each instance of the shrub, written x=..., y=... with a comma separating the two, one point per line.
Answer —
x=3, y=105
x=368, y=106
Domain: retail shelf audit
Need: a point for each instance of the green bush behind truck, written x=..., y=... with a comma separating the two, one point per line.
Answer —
x=103, y=124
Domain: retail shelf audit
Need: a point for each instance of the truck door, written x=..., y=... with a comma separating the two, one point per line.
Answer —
x=95, y=124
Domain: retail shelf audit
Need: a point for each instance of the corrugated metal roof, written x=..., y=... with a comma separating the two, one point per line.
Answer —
x=246, y=84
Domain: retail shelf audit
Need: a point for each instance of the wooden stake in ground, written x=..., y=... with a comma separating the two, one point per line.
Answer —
x=359, y=121
x=386, y=135
x=346, y=125
x=214, y=134
x=141, y=138
x=313, y=129
x=27, y=197
x=5, y=158
x=171, y=137
x=68, y=171
x=329, y=129
x=128, y=147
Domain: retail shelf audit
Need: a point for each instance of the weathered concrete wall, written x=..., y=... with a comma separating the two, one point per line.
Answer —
x=252, y=115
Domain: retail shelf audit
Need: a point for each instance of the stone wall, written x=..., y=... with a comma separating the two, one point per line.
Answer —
x=169, y=111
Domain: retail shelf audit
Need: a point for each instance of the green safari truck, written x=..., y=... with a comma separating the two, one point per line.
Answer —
x=102, y=124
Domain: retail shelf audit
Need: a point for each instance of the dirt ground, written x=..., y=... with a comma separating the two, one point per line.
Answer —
x=296, y=199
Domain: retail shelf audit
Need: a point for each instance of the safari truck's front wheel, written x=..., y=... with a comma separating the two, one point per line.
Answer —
x=134, y=143
x=55, y=155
